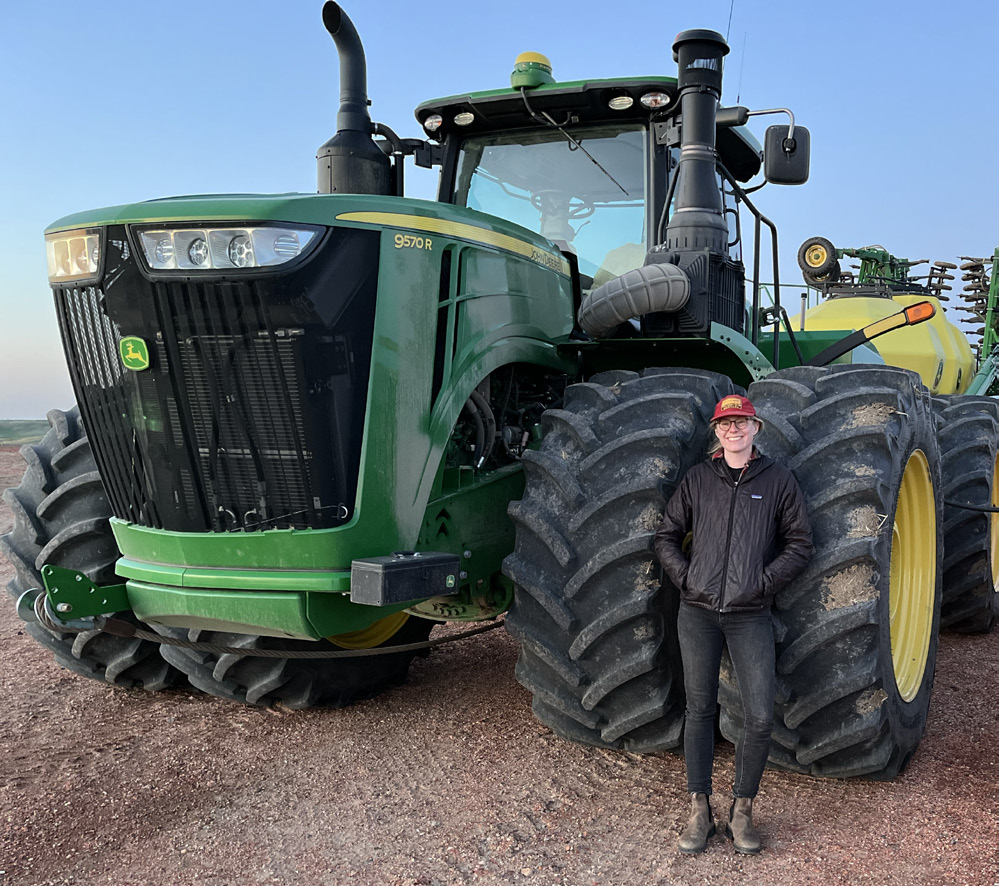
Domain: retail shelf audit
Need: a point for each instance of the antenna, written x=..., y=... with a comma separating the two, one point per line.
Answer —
x=742, y=62
x=728, y=29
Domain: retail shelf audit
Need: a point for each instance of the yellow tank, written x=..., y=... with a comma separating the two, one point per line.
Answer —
x=936, y=348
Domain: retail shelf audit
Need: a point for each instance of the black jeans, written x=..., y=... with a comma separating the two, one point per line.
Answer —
x=750, y=639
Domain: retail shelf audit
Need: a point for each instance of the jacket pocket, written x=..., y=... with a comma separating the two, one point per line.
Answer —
x=769, y=587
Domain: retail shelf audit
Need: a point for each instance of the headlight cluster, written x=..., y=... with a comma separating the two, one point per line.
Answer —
x=204, y=249
x=73, y=255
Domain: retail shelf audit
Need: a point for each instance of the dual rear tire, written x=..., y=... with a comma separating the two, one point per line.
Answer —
x=968, y=429
x=593, y=620
x=856, y=632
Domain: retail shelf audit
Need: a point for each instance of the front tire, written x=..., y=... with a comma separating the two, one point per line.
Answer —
x=291, y=682
x=598, y=647
x=857, y=632
x=61, y=518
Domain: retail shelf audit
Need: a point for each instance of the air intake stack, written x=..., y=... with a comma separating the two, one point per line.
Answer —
x=696, y=238
x=351, y=162
x=698, y=220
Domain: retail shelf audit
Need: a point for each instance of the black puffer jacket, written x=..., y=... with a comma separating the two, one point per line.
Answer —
x=750, y=537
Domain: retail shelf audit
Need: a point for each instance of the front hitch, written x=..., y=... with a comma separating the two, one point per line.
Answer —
x=70, y=600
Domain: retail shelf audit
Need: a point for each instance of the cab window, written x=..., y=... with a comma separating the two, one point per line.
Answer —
x=587, y=195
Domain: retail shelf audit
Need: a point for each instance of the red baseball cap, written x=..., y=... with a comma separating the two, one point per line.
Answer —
x=733, y=405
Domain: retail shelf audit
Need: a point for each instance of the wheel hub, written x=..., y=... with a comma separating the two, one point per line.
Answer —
x=913, y=575
x=816, y=256
x=374, y=635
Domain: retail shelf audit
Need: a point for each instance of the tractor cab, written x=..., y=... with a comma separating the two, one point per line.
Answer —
x=586, y=164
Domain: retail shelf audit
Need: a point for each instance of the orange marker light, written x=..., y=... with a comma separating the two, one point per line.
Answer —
x=920, y=311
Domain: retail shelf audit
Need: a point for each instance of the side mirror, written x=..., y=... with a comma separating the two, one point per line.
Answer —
x=785, y=160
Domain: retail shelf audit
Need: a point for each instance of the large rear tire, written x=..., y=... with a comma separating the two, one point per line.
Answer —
x=296, y=683
x=598, y=649
x=968, y=428
x=857, y=632
x=61, y=518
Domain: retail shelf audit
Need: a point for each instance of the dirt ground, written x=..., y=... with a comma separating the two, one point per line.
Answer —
x=446, y=780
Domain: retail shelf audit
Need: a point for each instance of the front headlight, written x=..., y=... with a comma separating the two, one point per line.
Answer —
x=216, y=248
x=73, y=255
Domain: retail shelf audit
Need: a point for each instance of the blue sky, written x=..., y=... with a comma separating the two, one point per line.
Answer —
x=112, y=102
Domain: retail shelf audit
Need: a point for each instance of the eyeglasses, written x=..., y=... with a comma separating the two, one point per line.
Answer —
x=726, y=423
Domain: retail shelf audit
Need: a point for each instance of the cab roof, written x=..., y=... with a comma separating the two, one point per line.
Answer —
x=580, y=103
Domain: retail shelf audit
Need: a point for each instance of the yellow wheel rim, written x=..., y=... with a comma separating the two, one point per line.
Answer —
x=994, y=525
x=913, y=576
x=373, y=635
x=816, y=255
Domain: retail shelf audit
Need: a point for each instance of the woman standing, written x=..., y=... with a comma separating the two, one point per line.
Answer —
x=750, y=537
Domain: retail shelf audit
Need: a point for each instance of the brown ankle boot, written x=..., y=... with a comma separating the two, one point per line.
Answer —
x=740, y=828
x=699, y=828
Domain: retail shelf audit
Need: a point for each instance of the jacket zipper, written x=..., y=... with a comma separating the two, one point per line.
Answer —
x=728, y=540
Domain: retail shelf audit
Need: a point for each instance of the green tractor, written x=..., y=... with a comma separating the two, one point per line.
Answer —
x=312, y=426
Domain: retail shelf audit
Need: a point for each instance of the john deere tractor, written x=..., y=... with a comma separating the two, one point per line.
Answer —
x=311, y=426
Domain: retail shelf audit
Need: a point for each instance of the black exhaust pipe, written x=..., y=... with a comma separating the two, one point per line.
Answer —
x=351, y=162
x=698, y=220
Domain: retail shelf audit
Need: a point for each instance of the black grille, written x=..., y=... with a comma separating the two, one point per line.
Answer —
x=251, y=412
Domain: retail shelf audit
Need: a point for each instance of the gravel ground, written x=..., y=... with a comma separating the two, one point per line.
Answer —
x=446, y=780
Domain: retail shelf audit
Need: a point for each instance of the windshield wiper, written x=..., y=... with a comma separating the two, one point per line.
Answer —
x=546, y=118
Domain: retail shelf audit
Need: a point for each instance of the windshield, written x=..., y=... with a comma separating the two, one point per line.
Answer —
x=590, y=199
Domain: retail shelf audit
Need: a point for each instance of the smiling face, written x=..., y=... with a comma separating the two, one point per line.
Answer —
x=736, y=437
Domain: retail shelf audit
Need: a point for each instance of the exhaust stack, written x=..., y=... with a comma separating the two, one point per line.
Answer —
x=351, y=162
x=698, y=220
